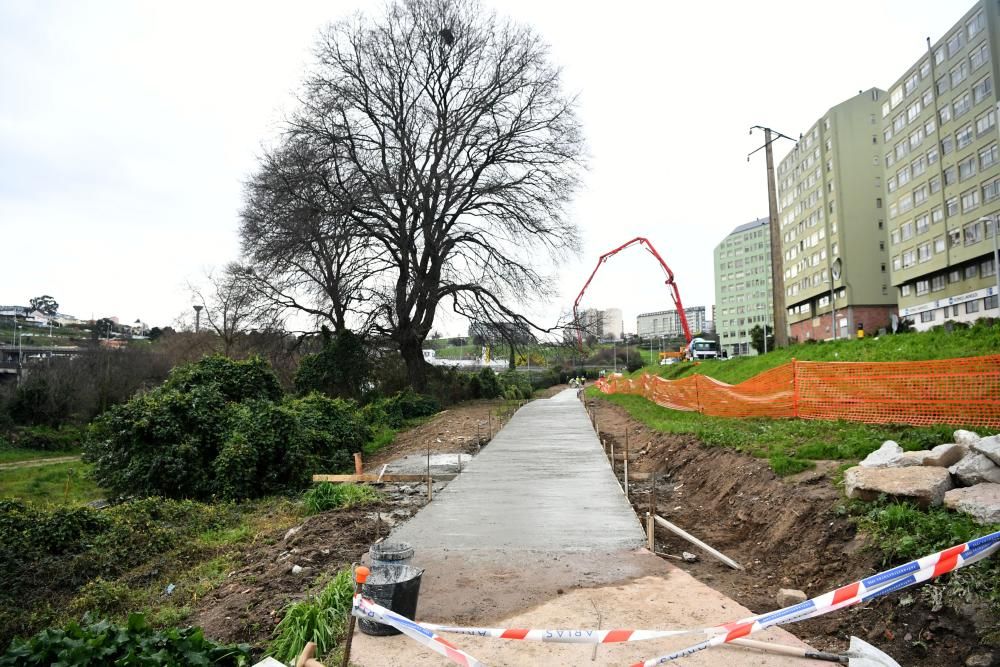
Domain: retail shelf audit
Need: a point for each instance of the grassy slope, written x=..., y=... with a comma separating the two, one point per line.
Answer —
x=55, y=483
x=15, y=454
x=976, y=341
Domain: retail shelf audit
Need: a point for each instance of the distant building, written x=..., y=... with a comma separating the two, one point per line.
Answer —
x=667, y=324
x=605, y=325
x=833, y=220
x=743, y=285
x=938, y=127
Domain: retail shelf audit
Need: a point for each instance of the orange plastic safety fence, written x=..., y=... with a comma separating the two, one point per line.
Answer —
x=950, y=391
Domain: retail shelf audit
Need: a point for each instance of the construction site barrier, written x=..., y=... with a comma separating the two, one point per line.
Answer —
x=963, y=392
x=864, y=590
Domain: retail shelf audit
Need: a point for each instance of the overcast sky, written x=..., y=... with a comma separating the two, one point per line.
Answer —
x=127, y=128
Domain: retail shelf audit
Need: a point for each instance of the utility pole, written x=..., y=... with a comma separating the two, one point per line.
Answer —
x=197, y=318
x=780, y=319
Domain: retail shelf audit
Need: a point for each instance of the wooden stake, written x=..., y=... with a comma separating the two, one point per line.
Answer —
x=358, y=466
x=680, y=532
x=652, y=496
x=650, y=535
x=430, y=481
x=360, y=575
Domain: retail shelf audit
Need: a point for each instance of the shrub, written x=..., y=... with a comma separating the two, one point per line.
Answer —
x=47, y=438
x=326, y=496
x=485, y=384
x=342, y=368
x=136, y=643
x=218, y=428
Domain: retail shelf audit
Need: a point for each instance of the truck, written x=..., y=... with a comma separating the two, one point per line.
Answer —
x=702, y=348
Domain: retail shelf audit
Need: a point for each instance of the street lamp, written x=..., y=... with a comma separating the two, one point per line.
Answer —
x=996, y=252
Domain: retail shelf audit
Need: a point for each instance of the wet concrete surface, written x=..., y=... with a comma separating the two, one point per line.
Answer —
x=543, y=483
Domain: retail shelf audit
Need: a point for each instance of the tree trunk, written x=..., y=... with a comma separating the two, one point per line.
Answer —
x=411, y=350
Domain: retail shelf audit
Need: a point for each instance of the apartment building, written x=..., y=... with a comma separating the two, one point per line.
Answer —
x=605, y=325
x=743, y=285
x=667, y=323
x=942, y=174
x=833, y=223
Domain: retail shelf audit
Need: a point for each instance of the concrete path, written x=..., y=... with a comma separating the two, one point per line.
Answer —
x=536, y=532
x=543, y=483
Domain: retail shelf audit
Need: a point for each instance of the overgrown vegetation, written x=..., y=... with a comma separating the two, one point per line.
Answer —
x=321, y=618
x=52, y=483
x=790, y=445
x=326, y=496
x=50, y=556
x=98, y=643
x=220, y=428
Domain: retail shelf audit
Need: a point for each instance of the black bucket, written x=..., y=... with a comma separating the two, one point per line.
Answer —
x=394, y=587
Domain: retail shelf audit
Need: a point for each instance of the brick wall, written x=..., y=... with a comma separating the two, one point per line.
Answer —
x=872, y=317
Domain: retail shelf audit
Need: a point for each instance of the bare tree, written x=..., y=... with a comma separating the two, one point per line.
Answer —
x=305, y=253
x=233, y=306
x=449, y=129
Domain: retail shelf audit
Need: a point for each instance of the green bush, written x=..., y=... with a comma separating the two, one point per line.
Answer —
x=341, y=369
x=395, y=410
x=47, y=438
x=485, y=384
x=136, y=643
x=326, y=496
x=219, y=428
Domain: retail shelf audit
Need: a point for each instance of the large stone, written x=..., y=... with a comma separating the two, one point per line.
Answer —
x=975, y=469
x=944, y=455
x=989, y=447
x=981, y=501
x=886, y=455
x=790, y=596
x=966, y=438
x=925, y=485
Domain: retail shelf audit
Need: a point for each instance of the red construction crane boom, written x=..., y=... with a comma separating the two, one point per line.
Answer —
x=669, y=282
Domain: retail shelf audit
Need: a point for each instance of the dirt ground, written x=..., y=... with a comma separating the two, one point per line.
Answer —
x=787, y=533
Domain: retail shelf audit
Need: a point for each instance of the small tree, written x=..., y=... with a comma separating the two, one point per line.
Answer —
x=757, y=339
x=341, y=369
x=45, y=304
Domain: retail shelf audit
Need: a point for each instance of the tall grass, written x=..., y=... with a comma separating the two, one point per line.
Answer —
x=326, y=496
x=320, y=618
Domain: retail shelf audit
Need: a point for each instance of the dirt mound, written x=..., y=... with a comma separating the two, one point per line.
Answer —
x=788, y=533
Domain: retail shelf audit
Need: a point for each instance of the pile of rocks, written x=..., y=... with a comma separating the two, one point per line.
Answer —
x=964, y=475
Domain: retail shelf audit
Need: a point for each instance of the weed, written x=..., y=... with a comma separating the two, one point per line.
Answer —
x=320, y=618
x=221, y=537
x=326, y=496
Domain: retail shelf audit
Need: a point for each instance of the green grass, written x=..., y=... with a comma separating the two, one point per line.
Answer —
x=789, y=444
x=981, y=339
x=57, y=483
x=326, y=496
x=15, y=454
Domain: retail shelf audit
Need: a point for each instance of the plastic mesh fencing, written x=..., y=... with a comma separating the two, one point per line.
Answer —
x=964, y=392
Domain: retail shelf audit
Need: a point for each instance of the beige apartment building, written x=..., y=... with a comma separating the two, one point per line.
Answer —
x=938, y=130
x=832, y=214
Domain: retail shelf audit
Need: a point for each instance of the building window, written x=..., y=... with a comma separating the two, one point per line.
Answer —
x=955, y=276
x=986, y=122
x=972, y=306
x=959, y=73
x=903, y=175
x=932, y=155
x=934, y=184
x=937, y=283
x=937, y=215
x=990, y=302
x=971, y=271
x=894, y=237
x=980, y=55
x=909, y=258
x=988, y=156
x=947, y=144
x=923, y=252
x=906, y=231
x=951, y=207
x=982, y=89
x=919, y=165
x=963, y=137
x=967, y=168
x=927, y=316
x=944, y=114
x=991, y=190
x=896, y=266
x=904, y=290
x=923, y=287
x=955, y=43
x=976, y=24
x=942, y=86
x=938, y=244
x=961, y=105
x=970, y=200
x=986, y=268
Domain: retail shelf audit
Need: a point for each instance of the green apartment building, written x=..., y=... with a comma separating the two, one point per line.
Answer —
x=833, y=223
x=743, y=285
x=942, y=175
